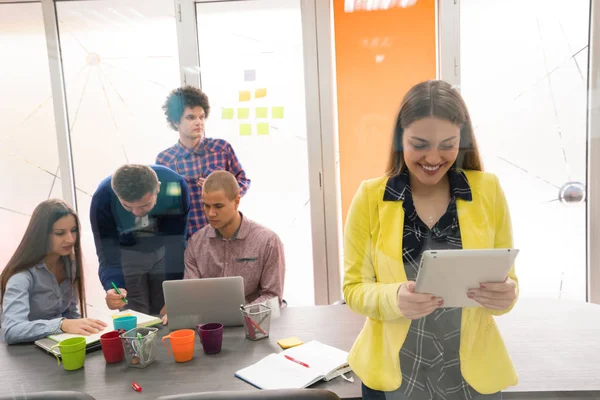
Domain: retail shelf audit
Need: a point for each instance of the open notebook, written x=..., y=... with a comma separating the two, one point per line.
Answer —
x=93, y=341
x=278, y=372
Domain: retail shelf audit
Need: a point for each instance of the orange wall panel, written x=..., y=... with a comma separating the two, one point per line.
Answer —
x=379, y=56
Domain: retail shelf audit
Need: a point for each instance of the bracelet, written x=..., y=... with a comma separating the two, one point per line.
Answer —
x=61, y=324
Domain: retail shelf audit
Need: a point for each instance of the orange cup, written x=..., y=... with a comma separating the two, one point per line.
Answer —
x=182, y=344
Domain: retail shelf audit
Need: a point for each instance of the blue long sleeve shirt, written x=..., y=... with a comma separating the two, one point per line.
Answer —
x=115, y=228
x=34, y=303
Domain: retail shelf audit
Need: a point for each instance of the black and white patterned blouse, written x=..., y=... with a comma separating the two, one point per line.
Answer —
x=429, y=358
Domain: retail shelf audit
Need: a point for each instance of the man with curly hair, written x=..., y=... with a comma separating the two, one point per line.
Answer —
x=195, y=156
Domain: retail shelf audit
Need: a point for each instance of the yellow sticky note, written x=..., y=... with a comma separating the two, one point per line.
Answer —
x=227, y=113
x=289, y=342
x=277, y=112
x=262, y=128
x=245, y=129
x=243, y=113
x=119, y=315
x=262, y=112
x=244, y=95
x=259, y=93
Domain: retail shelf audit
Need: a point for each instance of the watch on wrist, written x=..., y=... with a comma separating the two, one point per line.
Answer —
x=61, y=324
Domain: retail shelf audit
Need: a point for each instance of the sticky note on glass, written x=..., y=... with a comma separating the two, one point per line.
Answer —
x=227, y=113
x=244, y=95
x=243, y=113
x=260, y=93
x=289, y=342
x=262, y=128
x=262, y=112
x=277, y=112
x=245, y=129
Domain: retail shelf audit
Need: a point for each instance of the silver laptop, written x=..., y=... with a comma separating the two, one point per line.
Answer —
x=200, y=301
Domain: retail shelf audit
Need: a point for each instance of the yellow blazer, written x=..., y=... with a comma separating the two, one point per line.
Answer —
x=374, y=272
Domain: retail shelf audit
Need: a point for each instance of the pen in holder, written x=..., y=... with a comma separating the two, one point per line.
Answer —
x=140, y=346
x=257, y=320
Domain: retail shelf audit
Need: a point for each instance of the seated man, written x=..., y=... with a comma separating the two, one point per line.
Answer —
x=139, y=220
x=233, y=245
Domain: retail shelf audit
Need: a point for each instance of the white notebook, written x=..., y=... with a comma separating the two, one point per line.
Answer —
x=143, y=320
x=278, y=372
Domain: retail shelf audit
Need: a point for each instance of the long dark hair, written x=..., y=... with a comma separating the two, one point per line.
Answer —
x=35, y=243
x=435, y=99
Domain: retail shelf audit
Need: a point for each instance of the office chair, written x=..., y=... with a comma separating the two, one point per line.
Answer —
x=281, y=394
x=51, y=395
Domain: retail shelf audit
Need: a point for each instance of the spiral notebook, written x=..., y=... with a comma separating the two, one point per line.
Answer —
x=304, y=365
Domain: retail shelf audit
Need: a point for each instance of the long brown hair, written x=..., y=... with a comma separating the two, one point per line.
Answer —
x=36, y=242
x=435, y=99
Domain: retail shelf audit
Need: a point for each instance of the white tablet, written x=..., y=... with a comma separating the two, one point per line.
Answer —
x=449, y=274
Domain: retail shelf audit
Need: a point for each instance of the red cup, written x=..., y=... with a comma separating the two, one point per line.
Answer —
x=112, y=347
x=211, y=337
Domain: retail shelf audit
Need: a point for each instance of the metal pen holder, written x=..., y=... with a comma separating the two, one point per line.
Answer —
x=257, y=321
x=140, y=346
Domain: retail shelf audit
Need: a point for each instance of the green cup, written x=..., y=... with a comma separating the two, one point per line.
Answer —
x=72, y=352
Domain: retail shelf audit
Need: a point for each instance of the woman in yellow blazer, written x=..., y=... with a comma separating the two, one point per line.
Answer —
x=434, y=196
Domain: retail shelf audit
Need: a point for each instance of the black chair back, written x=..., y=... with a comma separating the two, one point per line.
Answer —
x=52, y=395
x=283, y=394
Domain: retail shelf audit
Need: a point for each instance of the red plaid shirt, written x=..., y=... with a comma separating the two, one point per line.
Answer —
x=208, y=156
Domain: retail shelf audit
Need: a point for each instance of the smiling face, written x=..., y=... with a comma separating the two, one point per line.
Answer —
x=430, y=146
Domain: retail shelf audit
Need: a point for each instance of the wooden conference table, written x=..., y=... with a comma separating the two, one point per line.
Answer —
x=555, y=346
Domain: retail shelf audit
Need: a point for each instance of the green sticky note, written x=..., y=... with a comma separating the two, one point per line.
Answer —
x=262, y=128
x=227, y=113
x=245, y=129
x=277, y=112
x=243, y=113
x=173, y=189
x=262, y=112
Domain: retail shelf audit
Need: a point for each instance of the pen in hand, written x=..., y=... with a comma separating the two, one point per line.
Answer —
x=119, y=292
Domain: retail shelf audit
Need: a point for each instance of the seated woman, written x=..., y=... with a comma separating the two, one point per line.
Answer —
x=42, y=284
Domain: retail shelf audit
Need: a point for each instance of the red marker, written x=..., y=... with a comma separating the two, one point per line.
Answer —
x=296, y=361
x=136, y=387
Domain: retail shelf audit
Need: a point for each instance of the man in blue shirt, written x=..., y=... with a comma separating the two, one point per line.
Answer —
x=139, y=220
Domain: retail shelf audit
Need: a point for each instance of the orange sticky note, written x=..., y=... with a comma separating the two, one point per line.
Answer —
x=244, y=95
x=259, y=93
